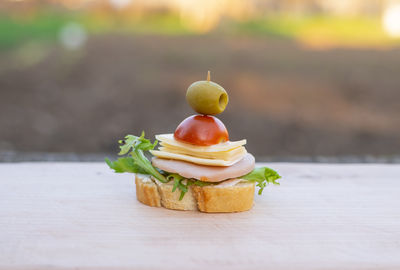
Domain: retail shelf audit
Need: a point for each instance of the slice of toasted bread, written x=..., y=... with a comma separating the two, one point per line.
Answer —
x=171, y=200
x=146, y=191
x=216, y=199
x=235, y=198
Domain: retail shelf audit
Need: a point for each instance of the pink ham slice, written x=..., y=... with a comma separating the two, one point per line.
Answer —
x=206, y=173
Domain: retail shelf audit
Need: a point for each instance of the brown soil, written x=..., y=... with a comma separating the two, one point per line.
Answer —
x=284, y=99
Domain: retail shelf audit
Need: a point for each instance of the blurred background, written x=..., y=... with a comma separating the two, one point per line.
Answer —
x=309, y=80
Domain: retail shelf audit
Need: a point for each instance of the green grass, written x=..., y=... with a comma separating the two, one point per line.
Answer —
x=14, y=30
x=340, y=30
x=165, y=24
x=45, y=26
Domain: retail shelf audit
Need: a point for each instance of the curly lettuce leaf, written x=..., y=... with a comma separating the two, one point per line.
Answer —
x=263, y=176
x=183, y=184
x=136, y=162
x=134, y=143
x=125, y=164
x=179, y=183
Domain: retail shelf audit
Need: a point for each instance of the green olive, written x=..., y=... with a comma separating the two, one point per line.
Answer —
x=206, y=97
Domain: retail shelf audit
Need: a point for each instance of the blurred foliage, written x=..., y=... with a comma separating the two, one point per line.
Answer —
x=320, y=30
x=43, y=26
x=313, y=30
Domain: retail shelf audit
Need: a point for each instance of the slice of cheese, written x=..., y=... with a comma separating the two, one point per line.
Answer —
x=226, y=146
x=225, y=155
x=194, y=152
x=196, y=160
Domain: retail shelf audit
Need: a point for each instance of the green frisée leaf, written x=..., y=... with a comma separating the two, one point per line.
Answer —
x=183, y=184
x=176, y=178
x=179, y=183
x=135, y=143
x=125, y=164
x=136, y=161
x=263, y=176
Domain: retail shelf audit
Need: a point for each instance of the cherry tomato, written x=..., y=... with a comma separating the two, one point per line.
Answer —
x=202, y=130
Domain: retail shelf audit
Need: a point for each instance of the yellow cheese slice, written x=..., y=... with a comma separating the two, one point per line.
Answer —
x=226, y=146
x=195, y=152
x=201, y=161
x=225, y=155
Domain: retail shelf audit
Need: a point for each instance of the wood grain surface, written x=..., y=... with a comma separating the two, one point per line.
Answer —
x=83, y=216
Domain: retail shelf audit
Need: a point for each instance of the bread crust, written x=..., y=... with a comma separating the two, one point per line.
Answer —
x=146, y=191
x=171, y=200
x=212, y=199
x=209, y=199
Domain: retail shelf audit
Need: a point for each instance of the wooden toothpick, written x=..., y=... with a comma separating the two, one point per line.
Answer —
x=208, y=76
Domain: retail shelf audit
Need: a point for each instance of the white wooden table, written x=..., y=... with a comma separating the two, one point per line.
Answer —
x=83, y=216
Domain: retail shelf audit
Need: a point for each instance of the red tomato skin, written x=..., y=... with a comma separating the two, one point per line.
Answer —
x=201, y=130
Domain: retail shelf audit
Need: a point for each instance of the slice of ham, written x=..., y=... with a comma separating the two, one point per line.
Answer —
x=206, y=173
